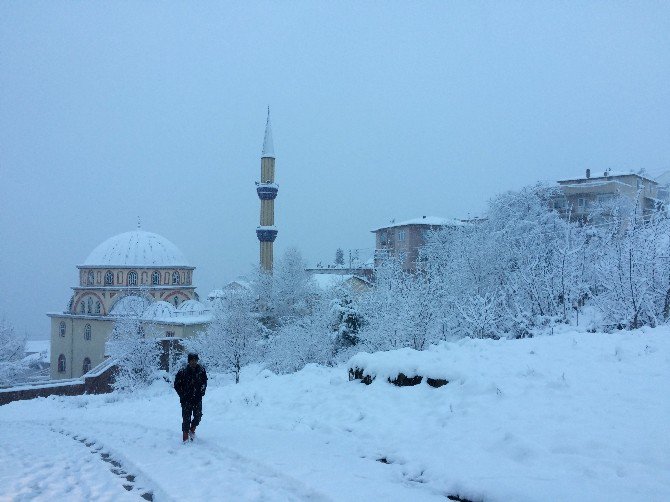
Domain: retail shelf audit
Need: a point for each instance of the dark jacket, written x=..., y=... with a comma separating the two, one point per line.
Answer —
x=191, y=384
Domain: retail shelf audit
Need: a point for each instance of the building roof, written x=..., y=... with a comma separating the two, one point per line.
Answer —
x=424, y=220
x=597, y=175
x=136, y=249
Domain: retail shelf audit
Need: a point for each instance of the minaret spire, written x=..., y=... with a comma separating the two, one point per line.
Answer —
x=267, y=192
x=268, y=146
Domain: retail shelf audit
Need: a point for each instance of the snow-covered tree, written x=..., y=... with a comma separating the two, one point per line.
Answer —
x=231, y=341
x=309, y=339
x=136, y=352
x=12, y=353
x=339, y=257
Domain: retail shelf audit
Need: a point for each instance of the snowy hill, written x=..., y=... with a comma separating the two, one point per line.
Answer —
x=570, y=417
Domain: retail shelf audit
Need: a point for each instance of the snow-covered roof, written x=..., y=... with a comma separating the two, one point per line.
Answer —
x=601, y=175
x=192, y=307
x=424, y=220
x=268, y=146
x=330, y=281
x=136, y=249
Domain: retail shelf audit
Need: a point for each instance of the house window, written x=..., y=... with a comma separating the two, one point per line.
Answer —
x=175, y=278
x=401, y=235
x=61, y=364
x=86, y=367
x=61, y=329
x=109, y=278
x=91, y=278
x=132, y=278
x=87, y=332
x=156, y=278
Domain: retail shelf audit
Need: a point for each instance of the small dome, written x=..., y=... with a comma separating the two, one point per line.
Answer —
x=192, y=307
x=159, y=310
x=130, y=306
x=136, y=249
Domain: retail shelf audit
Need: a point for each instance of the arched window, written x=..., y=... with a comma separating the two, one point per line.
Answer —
x=109, y=278
x=156, y=278
x=87, y=332
x=97, y=307
x=61, y=329
x=132, y=278
x=175, y=278
x=86, y=367
x=61, y=363
x=91, y=278
x=89, y=305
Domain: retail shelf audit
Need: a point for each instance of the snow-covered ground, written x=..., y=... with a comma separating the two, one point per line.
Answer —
x=569, y=417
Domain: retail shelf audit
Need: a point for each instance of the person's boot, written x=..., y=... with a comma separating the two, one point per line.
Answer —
x=191, y=433
x=185, y=436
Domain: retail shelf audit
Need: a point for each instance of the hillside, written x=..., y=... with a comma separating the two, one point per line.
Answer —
x=574, y=416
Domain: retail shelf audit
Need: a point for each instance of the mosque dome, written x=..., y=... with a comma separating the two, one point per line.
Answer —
x=136, y=249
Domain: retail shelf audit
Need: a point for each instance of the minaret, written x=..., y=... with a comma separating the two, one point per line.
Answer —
x=267, y=191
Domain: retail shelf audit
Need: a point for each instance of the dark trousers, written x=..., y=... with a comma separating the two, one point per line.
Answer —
x=190, y=408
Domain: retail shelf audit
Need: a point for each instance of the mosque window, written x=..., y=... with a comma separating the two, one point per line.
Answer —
x=156, y=278
x=87, y=332
x=61, y=363
x=90, y=281
x=132, y=278
x=97, y=307
x=61, y=329
x=86, y=367
x=109, y=278
x=175, y=278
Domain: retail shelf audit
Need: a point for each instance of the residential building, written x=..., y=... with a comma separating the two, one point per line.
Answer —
x=585, y=198
x=404, y=239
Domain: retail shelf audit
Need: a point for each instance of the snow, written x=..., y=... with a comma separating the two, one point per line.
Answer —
x=574, y=416
x=329, y=281
x=136, y=249
x=424, y=220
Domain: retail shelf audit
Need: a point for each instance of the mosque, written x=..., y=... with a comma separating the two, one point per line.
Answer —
x=142, y=275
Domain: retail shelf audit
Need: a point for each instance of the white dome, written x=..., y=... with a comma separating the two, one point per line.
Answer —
x=136, y=249
x=159, y=310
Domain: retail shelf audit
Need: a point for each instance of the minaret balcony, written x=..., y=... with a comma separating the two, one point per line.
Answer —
x=267, y=191
x=266, y=234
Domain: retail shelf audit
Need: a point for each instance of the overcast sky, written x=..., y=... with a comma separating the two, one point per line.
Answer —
x=380, y=110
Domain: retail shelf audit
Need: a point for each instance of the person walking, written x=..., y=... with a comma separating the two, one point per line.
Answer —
x=190, y=384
